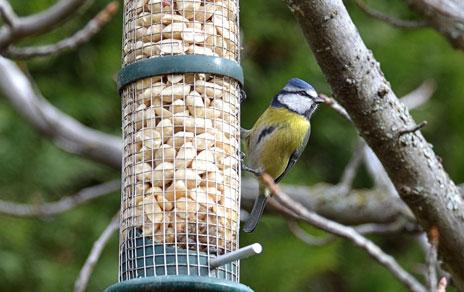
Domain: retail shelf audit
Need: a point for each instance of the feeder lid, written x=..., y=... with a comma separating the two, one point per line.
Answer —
x=177, y=284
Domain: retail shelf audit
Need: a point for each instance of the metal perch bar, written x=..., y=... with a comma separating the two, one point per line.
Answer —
x=240, y=254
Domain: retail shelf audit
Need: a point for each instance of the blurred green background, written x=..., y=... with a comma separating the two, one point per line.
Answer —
x=47, y=254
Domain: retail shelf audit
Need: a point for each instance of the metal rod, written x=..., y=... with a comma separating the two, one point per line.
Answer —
x=244, y=252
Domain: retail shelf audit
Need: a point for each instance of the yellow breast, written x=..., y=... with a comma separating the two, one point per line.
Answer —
x=274, y=151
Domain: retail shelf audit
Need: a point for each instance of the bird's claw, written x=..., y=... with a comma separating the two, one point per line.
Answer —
x=256, y=172
x=243, y=95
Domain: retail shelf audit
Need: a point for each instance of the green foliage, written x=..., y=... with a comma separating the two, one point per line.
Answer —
x=46, y=254
x=285, y=260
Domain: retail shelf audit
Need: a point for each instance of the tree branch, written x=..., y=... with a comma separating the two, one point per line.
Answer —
x=359, y=84
x=345, y=232
x=7, y=13
x=447, y=17
x=368, y=228
x=81, y=282
x=67, y=133
x=72, y=42
x=420, y=95
x=38, y=23
x=400, y=23
x=359, y=207
x=60, y=206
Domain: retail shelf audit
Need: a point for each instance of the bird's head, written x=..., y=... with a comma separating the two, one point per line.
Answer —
x=298, y=96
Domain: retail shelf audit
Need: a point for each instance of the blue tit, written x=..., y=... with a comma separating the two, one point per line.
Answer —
x=278, y=137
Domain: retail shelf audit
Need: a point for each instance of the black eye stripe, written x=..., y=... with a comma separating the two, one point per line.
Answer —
x=304, y=93
x=299, y=92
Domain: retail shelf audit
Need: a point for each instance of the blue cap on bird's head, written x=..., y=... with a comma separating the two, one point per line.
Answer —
x=299, y=97
x=298, y=83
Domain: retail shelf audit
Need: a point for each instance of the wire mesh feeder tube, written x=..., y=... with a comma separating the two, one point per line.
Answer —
x=181, y=169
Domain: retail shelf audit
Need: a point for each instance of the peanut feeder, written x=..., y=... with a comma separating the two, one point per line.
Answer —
x=180, y=88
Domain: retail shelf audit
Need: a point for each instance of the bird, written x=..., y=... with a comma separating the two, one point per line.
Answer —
x=278, y=138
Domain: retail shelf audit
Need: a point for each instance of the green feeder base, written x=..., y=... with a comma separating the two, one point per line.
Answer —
x=178, y=284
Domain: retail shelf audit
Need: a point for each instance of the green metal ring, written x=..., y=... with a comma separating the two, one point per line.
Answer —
x=178, y=284
x=179, y=64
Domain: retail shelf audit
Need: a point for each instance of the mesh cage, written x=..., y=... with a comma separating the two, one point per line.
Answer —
x=181, y=169
x=177, y=27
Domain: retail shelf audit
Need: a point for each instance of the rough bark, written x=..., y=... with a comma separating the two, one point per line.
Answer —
x=359, y=84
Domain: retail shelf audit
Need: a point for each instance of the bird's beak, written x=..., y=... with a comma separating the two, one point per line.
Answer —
x=319, y=99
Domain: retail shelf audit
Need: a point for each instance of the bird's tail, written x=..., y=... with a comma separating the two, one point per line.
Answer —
x=256, y=213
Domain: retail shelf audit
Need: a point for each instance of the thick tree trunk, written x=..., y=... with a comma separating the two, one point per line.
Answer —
x=360, y=86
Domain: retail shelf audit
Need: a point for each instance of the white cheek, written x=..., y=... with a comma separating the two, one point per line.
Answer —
x=296, y=103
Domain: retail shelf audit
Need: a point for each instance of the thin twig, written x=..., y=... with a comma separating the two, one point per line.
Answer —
x=346, y=232
x=72, y=42
x=81, y=282
x=351, y=169
x=60, y=206
x=400, y=23
x=394, y=227
x=368, y=228
x=307, y=238
x=331, y=102
x=432, y=259
x=412, y=100
x=378, y=173
x=413, y=129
